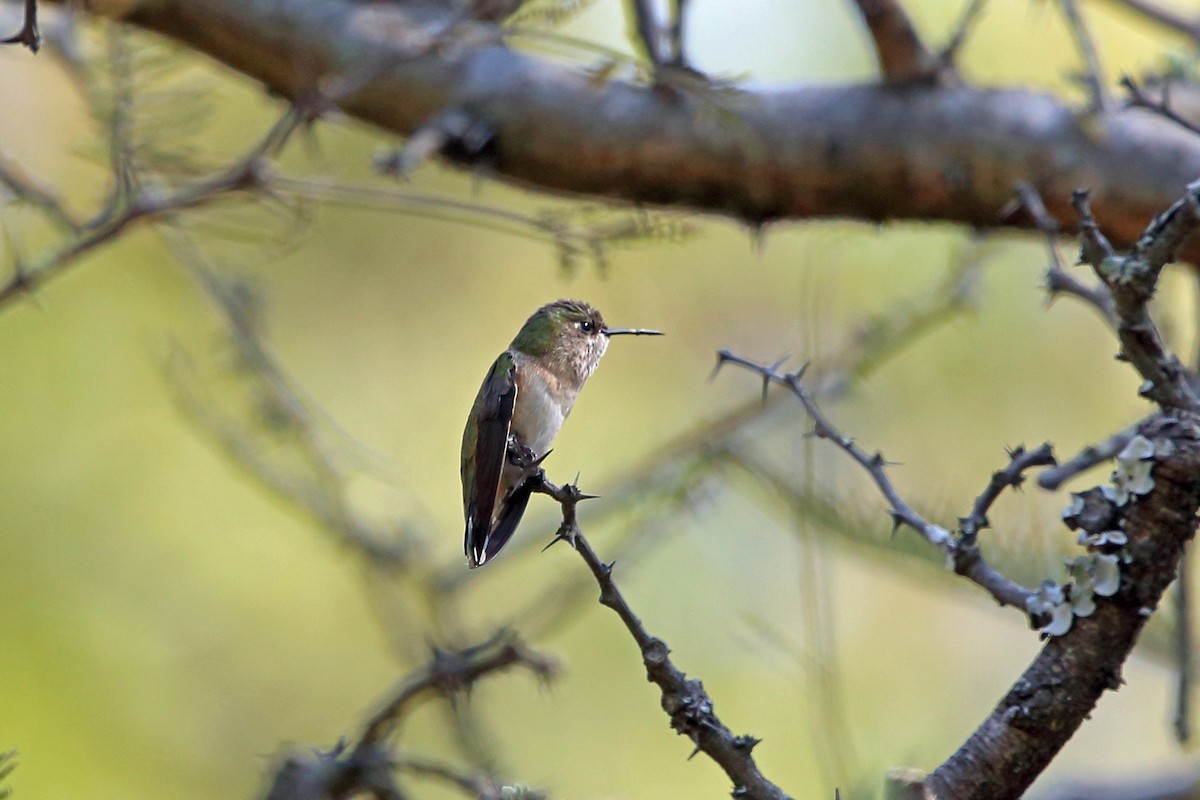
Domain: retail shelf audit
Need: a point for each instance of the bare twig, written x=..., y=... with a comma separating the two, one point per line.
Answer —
x=684, y=700
x=961, y=31
x=1163, y=15
x=1058, y=280
x=28, y=190
x=903, y=57
x=29, y=34
x=1089, y=457
x=1139, y=99
x=244, y=174
x=1093, y=75
x=1020, y=460
x=1132, y=280
x=450, y=672
x=962, y=552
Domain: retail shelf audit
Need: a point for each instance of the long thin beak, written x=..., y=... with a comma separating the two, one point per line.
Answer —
x=631, y=332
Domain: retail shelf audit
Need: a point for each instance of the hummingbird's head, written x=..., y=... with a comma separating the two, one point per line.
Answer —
x=568, y=335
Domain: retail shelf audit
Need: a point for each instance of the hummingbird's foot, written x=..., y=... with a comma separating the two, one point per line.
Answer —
x=519, y=455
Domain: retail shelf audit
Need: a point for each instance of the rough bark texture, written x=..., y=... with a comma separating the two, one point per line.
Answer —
x=1060, y=688
x=867, y=152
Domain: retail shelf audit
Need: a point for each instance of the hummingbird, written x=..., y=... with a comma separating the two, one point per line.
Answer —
x=520, y=407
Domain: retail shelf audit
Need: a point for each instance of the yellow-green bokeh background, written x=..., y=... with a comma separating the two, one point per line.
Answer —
x=165, y=625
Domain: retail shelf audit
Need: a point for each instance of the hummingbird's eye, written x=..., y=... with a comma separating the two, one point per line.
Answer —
x=586, y=326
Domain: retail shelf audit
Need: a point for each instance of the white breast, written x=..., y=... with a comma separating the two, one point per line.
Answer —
x=538, y=415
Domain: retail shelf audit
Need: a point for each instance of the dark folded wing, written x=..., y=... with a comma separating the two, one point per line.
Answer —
x=492, y=416
x=510, y=517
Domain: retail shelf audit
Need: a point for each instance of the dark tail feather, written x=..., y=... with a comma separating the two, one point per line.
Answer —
x=482, y=549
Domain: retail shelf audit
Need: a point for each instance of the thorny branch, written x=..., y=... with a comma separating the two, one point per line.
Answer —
x=683, y=699
x=1058, y=280
x=1132, y=280
x=961, y=552
x=1011, y=476
x=29, y=34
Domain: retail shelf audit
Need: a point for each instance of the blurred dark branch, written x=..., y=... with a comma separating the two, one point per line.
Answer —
x=367, y=766
x=28, y=190
x=1132, y=280
x=903, y=57
x=945, y=153
x=578, y=234
x=28, y=35
x=8, y=762
x=451, y=672
x=1093, y=75
x=318, y=489
x=1138, y=98
x=962, y=30
x=684, y=700
x=152, y=204
x=960, y=551
x=1163, y=15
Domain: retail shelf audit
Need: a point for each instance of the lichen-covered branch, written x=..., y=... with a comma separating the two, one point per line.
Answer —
x=1058, y=691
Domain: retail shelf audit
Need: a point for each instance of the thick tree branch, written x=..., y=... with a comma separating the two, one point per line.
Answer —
x=683, y=699
x=865, y=152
